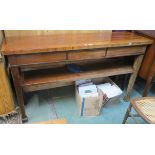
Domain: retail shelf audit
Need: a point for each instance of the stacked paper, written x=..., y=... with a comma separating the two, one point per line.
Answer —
x=87, y=88
x=110, y=90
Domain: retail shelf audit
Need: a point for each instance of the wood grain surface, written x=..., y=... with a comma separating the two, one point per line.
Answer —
x=87, y=54
x=6, y=99
x=23, y=33
x=49, y=78
x=64, y=42
x=125, y=51
x=38, y=58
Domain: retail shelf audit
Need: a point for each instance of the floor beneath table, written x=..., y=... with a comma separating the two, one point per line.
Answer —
x=59, y=103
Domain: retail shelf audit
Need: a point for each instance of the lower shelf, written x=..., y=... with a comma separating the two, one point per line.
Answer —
x=50, y=78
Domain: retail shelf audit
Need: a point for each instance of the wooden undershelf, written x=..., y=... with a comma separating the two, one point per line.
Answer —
x=50, y=78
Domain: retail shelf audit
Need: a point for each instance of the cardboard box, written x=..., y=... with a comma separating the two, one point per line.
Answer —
x=90, y=106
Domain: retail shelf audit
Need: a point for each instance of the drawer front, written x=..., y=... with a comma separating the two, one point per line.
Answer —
x=86, y=54
x=125, y=51
x=37, y=58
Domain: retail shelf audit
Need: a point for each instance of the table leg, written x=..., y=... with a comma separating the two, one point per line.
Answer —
x=17, y=79
x=148, y=84
x=136, y=67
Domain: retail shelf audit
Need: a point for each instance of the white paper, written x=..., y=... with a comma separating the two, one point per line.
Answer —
x=110, y=90
x=87, y=91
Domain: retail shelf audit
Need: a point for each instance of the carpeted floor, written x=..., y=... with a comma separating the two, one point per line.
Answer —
x=59, y=103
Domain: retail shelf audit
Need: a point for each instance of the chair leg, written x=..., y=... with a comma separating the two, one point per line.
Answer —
x=127, y=114
x=133, y=117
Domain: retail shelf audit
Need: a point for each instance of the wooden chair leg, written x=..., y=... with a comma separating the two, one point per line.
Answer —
x=127, y=114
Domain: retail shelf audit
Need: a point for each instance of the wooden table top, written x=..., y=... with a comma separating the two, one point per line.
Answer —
x=64, y=42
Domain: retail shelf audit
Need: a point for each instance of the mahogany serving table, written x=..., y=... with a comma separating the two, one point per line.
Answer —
x=39, y=62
